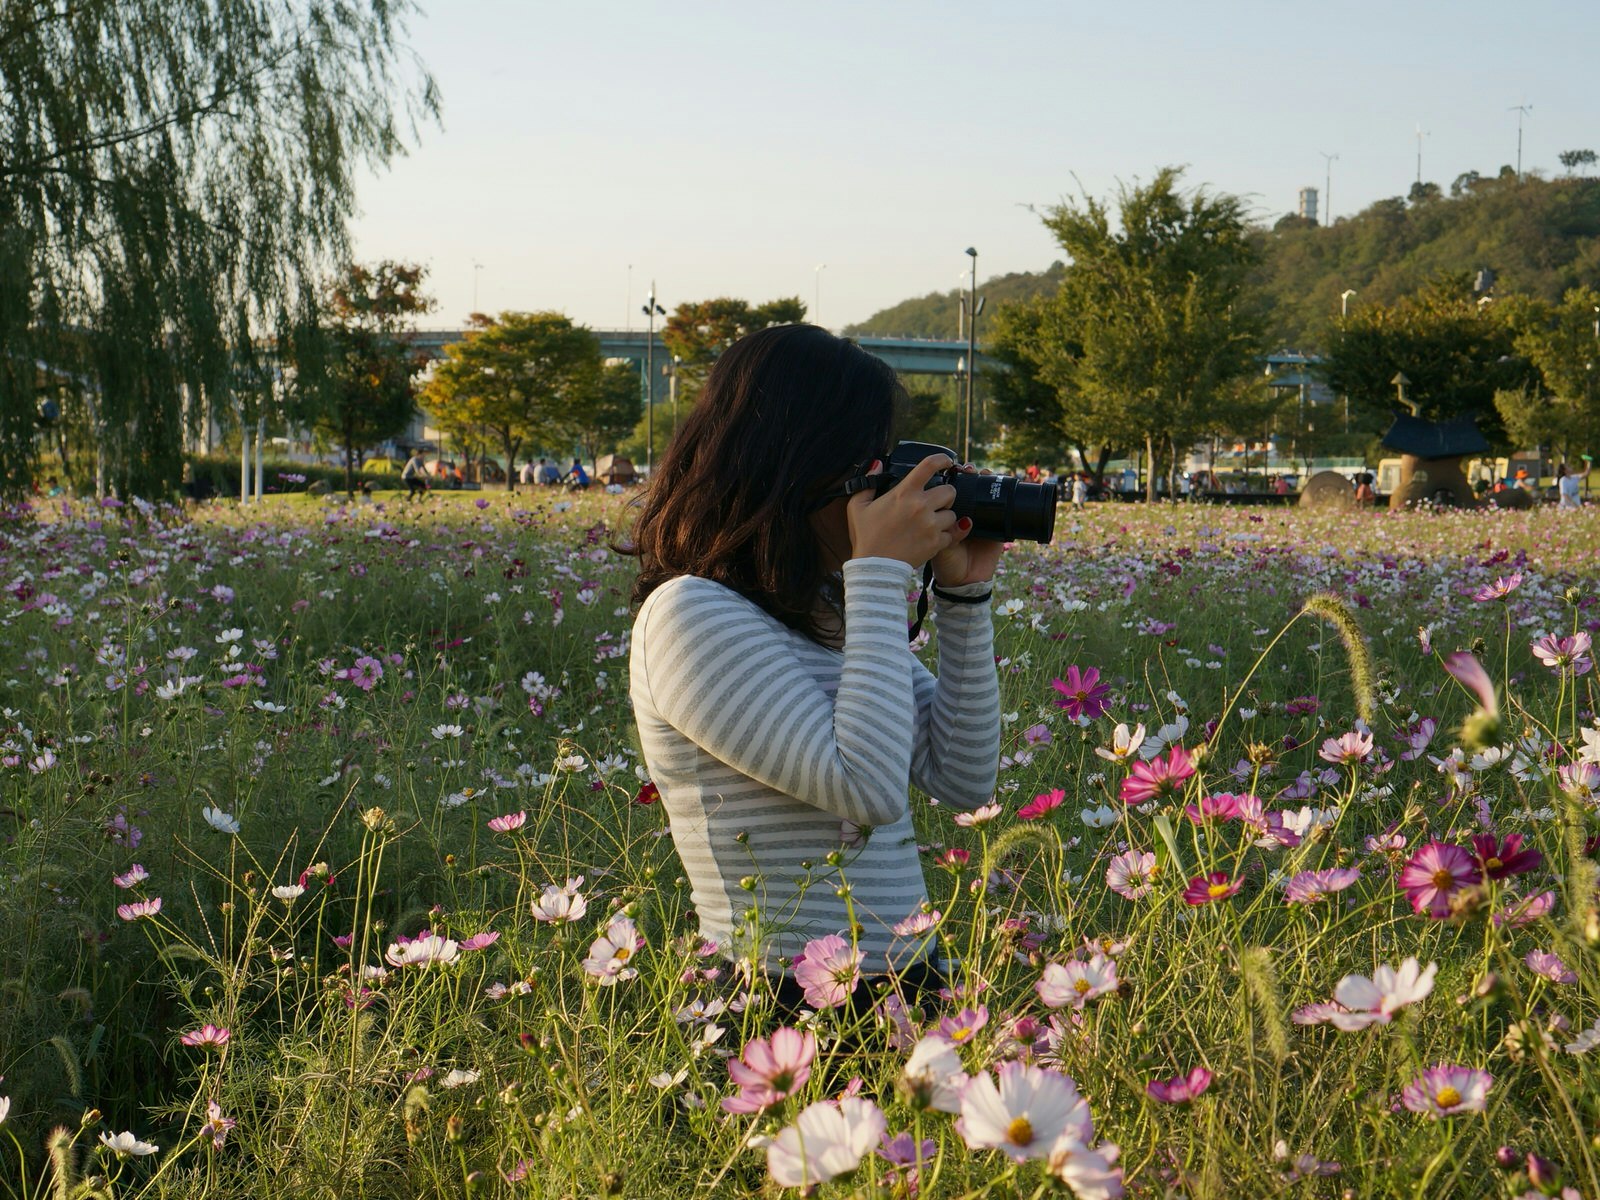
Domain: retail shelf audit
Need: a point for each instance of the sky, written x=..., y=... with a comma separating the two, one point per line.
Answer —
x=586, y=149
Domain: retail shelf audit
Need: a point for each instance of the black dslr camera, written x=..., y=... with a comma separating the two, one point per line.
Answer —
x=1002, y=507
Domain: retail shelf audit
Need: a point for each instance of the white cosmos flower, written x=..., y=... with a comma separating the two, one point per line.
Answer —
x=559, y=905
x=1098, y=818
x=220, y=821
x=440, y=732
x=1023, y=1111
x=1125, y=744
x=1087, y=1170
x=1078, y=982
x=229, y=635
x=827, y=1140
x=5, y=1108
x=611, y=952
x=288, y=891
x=1375, y=1001
x=267, y=706
x=933, y=1076
x=1586, y=1041
x=124, y=1144
x=459, y=1078
x=429, y=951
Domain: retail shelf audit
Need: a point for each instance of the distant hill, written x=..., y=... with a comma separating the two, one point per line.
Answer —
x=938, y=314
x=1539, y=236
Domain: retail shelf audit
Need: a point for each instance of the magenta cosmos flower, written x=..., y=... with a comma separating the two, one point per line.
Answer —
x=1469, y=672
x=770, y=1070
x=1570, y=653
x=1434, y=875
x=1181, y=1089
x=1445, y=1090
x=1499, y=589
x=1082, y=693
x=828, y=971
x=1041, y=804
x=1203, y=889
x=206, y=1035
x=1499, y=859
x=1159, y=779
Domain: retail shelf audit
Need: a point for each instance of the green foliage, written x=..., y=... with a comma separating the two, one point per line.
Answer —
x=1456, y=349
x=174, y=176
x=1151, y=328
x=353, y=374
x=698, y=332
x=523, y=378
x=1562, y=342
x=1542, y=237
x=937, y=315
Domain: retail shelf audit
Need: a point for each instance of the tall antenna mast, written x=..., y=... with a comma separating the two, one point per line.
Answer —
x=1421, y=133
x=1521, y=110
x=1327, y=190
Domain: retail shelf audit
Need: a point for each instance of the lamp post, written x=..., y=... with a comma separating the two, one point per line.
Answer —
x=477, y=268
x=1327, y=189
x=816, y=293
x=672, y=390
x=974, y=306
x=1344, y=302
x=651, y=311
x=961, y=384
x=1400, y=382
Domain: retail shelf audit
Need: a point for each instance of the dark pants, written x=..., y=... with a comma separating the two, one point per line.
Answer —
x=918, y=984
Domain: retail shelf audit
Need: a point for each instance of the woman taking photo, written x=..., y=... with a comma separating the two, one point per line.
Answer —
x=781, y=712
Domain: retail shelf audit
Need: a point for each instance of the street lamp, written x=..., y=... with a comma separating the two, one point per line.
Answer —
x=816, y=306
x=1400, y=382
x=1344, y=302
x=651, y=311
x=672, y=388
x=961, y=384
x=974, y=306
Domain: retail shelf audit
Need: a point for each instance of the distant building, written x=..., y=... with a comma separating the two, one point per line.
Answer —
x=1308, y=203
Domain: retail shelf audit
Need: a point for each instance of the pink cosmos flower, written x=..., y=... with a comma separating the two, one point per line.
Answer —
x=206, y=1035
x=770, y=1070
x=1417, y=738
x=964, y=1026
x=558, y=905
x=827, y=1140
x=481, y=941
x=1023, y=1111
x=1570, y=653
x=508, y=822
x=1550, y=966
x=1499, y=589
x=978, y=816
x=1348, y=749
x=132, y=877
x=1444, y=1090
x=1203, y=889
x=1221, y=806
x=1077, y=982
x=1309, y=887
x=1181, y=1089
x=365, y=674
x=1469, y=672
x=216, y=1126
x=828, y=971
x=1041, y=804
x=1501, y=859
x=1521, y=912
x=1083, y=695
x=139, y=909
x=1088, y=1171
x=1159, y=779
x=1436, y=873
x=917, y=923
x=1037, y=735
x=1132, y=874
x=425, y=950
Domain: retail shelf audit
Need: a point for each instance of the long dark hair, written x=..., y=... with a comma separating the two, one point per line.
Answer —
x=787, y=413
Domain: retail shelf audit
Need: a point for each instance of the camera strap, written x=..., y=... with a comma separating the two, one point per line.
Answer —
x=922, y=602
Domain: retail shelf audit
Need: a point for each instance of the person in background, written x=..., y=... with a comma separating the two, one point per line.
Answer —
x=1280, y=486
x=415, y=475
x=1365, y=496
x=549, y=473
x=1568, y=483
x=1080, y=491
x=529, y=474
x=576, y=476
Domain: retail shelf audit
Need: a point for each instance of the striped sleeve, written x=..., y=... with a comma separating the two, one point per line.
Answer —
x=956, y=755
x=732, y=683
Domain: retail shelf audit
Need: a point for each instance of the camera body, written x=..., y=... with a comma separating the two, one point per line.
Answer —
x=1002, y=507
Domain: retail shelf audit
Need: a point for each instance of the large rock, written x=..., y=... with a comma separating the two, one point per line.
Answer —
x=1328, y=489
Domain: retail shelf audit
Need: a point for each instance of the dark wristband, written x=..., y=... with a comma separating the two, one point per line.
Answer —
x=954, y=599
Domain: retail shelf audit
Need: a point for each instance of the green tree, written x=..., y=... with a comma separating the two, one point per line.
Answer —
x=602, y=410
x=699, y=331
x=1573, y=159
x=1456, y=350
x=354, y=378
x=1562, y=342
x=1152, y=323
x=521, y=377
x=174, y=177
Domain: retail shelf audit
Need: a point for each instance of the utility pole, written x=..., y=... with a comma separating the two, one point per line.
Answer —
x=1327, y=188
x=816, y=297
x=1421, y=133
x=973, y=308
x=1521, y=110
x=651, y=311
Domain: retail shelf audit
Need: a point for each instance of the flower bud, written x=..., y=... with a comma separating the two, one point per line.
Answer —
x=1507, y=1158
x=1543, y=1173
x=373, y=818
x=453, y=1131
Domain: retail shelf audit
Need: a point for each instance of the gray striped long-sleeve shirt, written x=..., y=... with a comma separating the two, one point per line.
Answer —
x=772, y=751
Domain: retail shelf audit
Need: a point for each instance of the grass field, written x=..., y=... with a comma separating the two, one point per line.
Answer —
x=329, y=868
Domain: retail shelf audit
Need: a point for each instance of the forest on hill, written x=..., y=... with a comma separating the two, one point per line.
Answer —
x=1539, y=236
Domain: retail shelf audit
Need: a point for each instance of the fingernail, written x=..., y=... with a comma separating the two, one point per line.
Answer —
x=965, y=523
x=877, y=465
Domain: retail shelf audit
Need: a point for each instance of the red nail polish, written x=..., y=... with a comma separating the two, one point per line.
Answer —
x=965, y=523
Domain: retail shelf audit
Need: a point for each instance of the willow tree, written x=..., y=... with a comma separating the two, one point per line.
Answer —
x=175, y=176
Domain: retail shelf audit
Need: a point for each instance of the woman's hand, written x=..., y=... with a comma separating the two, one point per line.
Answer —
x=911, y=522
x=966, y=561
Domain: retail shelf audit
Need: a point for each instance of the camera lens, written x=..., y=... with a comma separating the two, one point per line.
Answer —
x=1005, y=509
